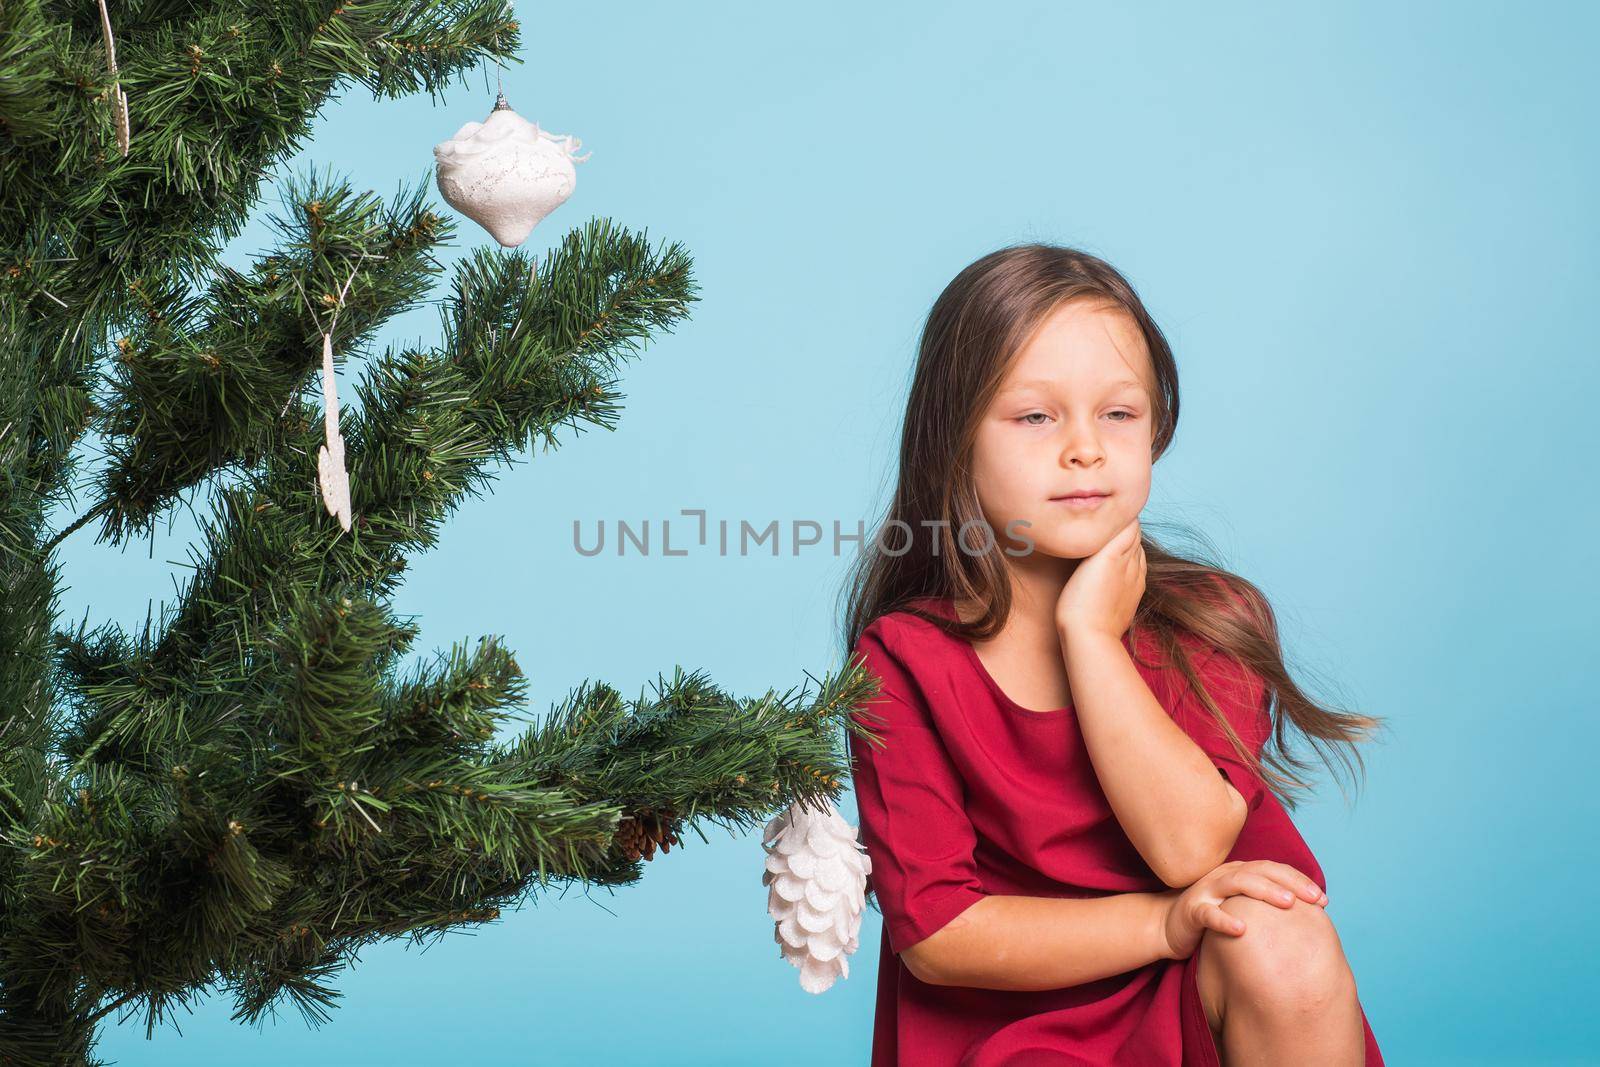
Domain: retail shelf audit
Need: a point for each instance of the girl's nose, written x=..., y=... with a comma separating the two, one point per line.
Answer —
x=1080, y=448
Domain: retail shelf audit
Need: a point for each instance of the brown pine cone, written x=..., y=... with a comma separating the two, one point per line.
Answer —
x=661, y=832
x=640, y=833
x=629, y=837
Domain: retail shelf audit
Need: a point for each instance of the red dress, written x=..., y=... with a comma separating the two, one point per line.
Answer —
x=973, y=794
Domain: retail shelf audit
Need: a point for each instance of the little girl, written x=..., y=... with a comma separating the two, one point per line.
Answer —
x=1075, y=847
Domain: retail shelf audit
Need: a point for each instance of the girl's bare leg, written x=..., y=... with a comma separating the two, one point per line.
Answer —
x=1281, y=992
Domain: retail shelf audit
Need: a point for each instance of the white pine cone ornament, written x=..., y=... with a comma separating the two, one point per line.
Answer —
x=505, y=173
x=817, y=878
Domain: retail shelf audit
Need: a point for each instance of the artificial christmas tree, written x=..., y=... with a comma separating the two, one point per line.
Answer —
x=251, y=788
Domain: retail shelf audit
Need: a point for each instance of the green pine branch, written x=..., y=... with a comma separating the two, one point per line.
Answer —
x=217, y=98
x=243, y=793
x=200, y=386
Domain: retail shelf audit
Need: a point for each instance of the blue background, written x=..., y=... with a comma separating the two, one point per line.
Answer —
x=1370, y=232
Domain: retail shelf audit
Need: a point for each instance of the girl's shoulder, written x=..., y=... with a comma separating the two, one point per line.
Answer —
x=910, y=641
x=1213, y=669
x=1198, y=650
x=909, y=628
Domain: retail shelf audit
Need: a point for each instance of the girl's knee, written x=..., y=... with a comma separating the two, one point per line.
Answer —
x=1288, y=958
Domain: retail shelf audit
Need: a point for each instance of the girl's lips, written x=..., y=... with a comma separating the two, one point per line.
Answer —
x=1080, y=503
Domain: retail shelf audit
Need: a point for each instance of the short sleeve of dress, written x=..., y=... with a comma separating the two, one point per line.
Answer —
x=911, y=802
x=1241, y=695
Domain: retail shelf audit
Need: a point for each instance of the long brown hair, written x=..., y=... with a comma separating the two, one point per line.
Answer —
x=975, y=328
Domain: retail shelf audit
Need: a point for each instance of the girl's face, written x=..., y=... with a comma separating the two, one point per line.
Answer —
x=1074, y=412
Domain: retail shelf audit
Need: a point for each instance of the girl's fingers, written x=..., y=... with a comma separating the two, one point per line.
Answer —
x=1212, y=917
x=1294, y=884
x=1305, y=889
x=1281, y=878
x=1260, y=886
x=1291, y=877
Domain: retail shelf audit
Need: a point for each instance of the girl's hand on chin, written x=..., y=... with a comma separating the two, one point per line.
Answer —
x=1105, y=589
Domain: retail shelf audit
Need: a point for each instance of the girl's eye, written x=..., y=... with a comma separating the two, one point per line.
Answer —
x=1128, y=416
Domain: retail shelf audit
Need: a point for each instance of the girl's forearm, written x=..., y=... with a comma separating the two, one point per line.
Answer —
x=1033, y=943
x=1180, y=814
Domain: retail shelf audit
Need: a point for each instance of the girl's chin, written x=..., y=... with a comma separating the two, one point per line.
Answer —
x=1081, y=541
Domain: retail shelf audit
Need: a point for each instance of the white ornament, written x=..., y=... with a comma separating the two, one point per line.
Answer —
x=505, y=173
x=816, y=874
x=331, y=473
x=119, y=96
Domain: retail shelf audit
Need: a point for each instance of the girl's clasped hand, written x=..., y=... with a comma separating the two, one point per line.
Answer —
x=1192, y=911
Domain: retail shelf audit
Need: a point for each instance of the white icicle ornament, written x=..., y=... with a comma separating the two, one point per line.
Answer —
x=816, y=874
x=505, y=173
x=332, y=477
